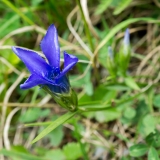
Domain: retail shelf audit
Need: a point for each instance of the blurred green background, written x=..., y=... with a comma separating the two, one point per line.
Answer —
x=86, y=28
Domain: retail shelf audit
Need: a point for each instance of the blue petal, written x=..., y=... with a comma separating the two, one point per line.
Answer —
x=50, y=46
x=33, y=81
x=69, y=63
x=62, y=85
x=33, y=61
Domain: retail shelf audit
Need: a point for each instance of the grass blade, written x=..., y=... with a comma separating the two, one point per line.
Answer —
x=21, y=155
x=25, y=18
x=54, y=125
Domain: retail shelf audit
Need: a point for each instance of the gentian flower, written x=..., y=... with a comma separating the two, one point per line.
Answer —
x=49, y=75
x=124, y=53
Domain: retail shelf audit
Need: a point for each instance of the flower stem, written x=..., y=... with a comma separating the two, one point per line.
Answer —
x=94, y=109
x=86, y=26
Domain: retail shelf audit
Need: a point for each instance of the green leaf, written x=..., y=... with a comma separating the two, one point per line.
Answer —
x=103, y=94
x=131, y=83
x=104, y=4
x=122, y=5
x=88, y=88
x=149, y=123
x=138, y=150
x=156, y=101
x=19, y=149
x=153, y=139
x=72, y=151
x=129, y=113
x=38, y=124
x=150, y=139
x=45, y=113
x=106, y=116
x=117, y=87
x=21, y=155
x=36, y=2
x=54, y=125
x=31, y=115
x=56, y=136
x=153, y=154
x=55, y=154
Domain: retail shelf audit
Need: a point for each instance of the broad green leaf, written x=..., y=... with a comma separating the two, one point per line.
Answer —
x=21, y=155
x=54, y=125
x=36, y=2
x=131, y=83
x=55, y=154
x=138, y=150
x=88, y=88
x=153, y=154
x=56, y=136
x=72, y=151
x=20, y=149
x=129, y=113
x=156, y=101
x=45, y=113
x=108, y=115
x=150, y=139
x=149, y=123
x=40, y=151
x=31, y=115
x=122, y=5
x=103, y=94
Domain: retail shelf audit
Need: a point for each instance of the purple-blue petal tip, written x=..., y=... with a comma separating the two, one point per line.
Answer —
x=127, y=37
x=50, y=46
x=70, y=58
x=14, y=50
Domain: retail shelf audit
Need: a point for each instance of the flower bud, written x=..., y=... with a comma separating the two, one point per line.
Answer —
x=67, y=100
x=124, y=53
x=110, y=63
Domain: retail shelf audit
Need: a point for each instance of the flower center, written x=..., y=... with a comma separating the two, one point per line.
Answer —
x=55, y=72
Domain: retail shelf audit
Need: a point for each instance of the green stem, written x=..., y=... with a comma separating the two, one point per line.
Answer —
x=109, y=106
x=94, y=109
x=86, y=26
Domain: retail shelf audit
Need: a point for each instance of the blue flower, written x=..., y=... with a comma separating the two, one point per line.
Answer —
x=48, y=75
